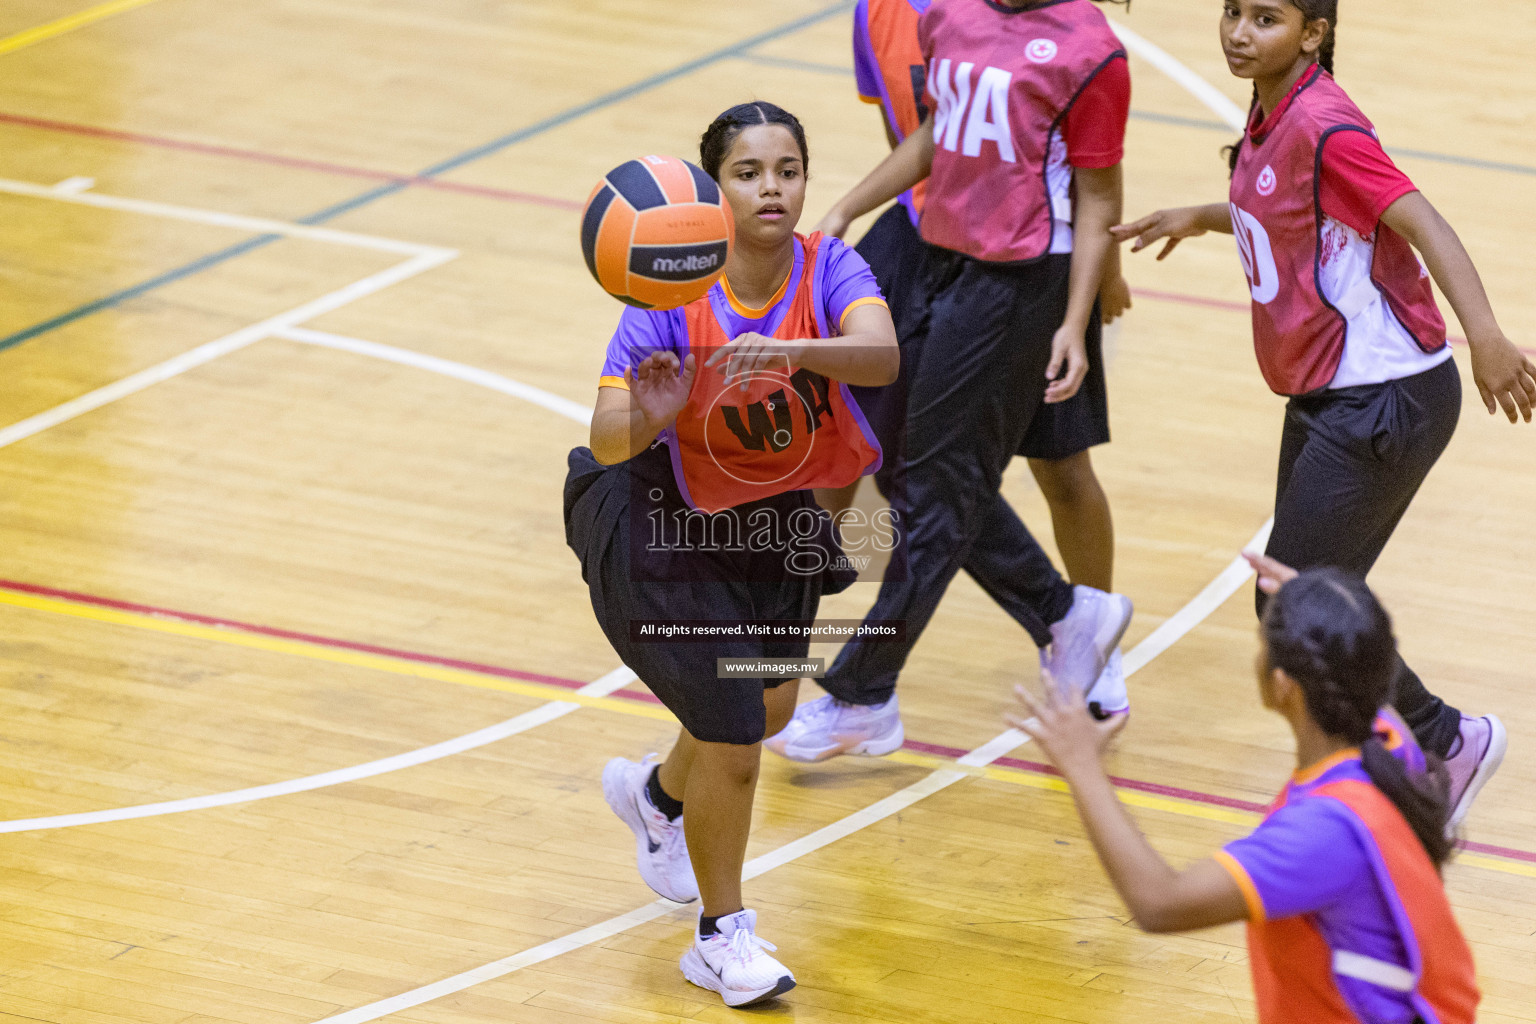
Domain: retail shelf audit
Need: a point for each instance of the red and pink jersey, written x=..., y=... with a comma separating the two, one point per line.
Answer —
x=1339, y=299
x=791, y=429
x=1019, y=96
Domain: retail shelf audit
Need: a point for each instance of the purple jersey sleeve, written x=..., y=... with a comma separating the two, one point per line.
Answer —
x=866, y=68
x=1281, y=859
x=640, y=333
x=847, y=282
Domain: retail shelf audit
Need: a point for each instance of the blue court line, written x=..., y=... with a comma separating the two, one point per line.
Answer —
x=821, y=68
x=442, y=167
x=796, y=65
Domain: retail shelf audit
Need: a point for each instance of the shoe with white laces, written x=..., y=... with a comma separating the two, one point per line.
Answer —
x=827, y=727
x=660, y=851
x=732, y=962
x=1082, y=642
x=1108, y=697
x=1476, y=755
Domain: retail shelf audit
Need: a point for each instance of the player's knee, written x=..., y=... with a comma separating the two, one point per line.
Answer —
x=735, y=764
x=1069, y=481
x=779, y=704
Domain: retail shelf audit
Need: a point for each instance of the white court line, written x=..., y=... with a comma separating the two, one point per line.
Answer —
x=1168, y=64
x=423, y=258
x=74, y=186
x=207, y=353
x=1161, y=639
x=1216, y=593
x=825, y=836
x=1174, y=629
x=213, y=218
x=615, y=680
x=1204, y=603
x=1197, y=611
x=446, y=367
x=859, y=819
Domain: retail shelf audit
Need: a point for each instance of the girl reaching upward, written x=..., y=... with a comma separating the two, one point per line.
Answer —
x=1370, y=940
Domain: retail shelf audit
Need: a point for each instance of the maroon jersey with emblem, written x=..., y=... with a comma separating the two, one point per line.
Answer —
x=1318, y=285
x=1001, y=81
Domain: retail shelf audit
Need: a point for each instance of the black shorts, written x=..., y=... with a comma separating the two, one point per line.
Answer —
x=895, y=252
x=1082, y=421
x=607, y=526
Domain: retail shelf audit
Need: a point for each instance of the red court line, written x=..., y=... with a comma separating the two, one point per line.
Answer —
x=279, y=160
x=1191, y=300
x=416, y=181
x=1034, y=767
x=308, y=638
x=1193, y=796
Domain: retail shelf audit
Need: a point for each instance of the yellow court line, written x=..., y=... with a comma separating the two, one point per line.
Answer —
x=68, y=23
x=465, y=677
x=334, y=655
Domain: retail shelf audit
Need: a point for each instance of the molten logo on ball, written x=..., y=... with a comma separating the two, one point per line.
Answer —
x=656, y=232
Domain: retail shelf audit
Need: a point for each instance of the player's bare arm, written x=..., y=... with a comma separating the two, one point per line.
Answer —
x=626, y=421
x=1160, y=897
x=1505, y=378
x=908, y=164
x=1100, y=198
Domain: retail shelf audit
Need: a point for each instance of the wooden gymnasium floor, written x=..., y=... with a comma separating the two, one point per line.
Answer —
x=279, y=497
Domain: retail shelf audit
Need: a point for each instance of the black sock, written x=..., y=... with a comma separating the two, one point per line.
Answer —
x=673, y=809
x=711, y=925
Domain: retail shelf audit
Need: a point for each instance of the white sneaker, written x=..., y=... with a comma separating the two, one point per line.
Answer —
x=826, y=727
x=1108, y=696
x=660, y=852
x=1081, y=643
x=732, y=962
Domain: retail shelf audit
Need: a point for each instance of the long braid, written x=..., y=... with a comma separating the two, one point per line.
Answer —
x=1326, y=10
x=1328, y=633
x=1230, y=152
x=1325, y=52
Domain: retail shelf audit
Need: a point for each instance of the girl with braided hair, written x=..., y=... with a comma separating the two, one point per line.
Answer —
x=1348, y=921
x=1346, y=325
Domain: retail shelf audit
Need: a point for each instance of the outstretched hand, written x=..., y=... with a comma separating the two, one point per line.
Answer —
x=1063, y=726
x=1174, y=225
x=1273, y=574
x=660, y=385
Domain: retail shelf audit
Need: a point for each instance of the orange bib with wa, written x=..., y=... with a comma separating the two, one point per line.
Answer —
x=1294, y=968
x=790, y=430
